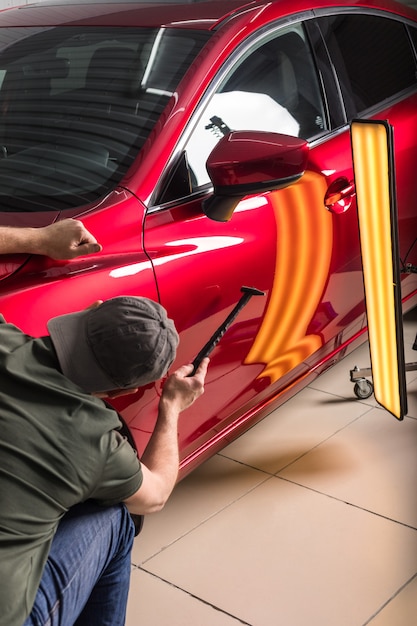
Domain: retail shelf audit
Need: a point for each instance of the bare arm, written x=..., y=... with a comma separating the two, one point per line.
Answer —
x=63, y=240
x=160, y=460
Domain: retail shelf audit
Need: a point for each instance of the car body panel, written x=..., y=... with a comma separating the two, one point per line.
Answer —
x=284, y=242
x=49, y=282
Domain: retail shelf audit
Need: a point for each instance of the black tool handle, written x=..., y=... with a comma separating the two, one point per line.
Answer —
x=248, y=292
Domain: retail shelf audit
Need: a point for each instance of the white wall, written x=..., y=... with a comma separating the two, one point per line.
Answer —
x=4, y=4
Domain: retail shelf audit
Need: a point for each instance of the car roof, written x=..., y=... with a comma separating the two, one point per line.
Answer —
x=157, y=13
x=200, y=14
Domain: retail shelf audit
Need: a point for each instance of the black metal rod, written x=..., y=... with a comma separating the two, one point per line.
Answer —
x=248, y=292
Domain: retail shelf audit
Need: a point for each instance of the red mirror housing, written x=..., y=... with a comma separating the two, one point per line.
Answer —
x=250, y=162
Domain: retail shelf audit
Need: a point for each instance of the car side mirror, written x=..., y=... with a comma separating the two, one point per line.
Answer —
x=251, y=162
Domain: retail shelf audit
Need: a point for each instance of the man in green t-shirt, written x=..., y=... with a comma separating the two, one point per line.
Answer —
x=67, y=476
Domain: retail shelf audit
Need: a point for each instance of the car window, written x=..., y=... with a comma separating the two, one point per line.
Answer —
x=373, y=58
x=77, y=105
x=273, y=87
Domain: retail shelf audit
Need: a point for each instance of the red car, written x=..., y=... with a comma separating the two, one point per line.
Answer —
x=109, y=112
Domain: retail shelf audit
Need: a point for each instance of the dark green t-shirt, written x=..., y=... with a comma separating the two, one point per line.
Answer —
x=58, y=447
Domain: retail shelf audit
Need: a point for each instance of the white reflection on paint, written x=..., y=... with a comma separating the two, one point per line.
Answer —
x=249, y=204
x=202, y=244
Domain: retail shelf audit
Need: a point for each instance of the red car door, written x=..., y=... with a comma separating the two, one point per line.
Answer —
x=284, y=243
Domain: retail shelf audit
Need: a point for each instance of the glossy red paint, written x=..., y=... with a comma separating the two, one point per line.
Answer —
x=305, y=258
x=53, y=287
x=245, y=158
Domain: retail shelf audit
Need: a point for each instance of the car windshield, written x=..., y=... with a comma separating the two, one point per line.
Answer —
x=77, y=105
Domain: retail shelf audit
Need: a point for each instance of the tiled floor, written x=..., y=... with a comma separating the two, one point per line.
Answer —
x=310, y=518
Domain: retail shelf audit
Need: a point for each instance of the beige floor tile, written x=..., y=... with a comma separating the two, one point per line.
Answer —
x=376, y=464
x=285, y=555
x=210, y=488
x=153, y=602
x=293, y=429
x=401, y=610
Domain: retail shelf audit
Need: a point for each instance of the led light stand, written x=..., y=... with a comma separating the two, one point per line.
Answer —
x=373, y=162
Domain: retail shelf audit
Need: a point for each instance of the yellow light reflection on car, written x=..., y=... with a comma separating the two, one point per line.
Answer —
x=372, y=147
x=304, y=249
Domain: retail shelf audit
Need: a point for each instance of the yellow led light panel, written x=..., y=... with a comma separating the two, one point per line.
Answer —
x=372, y=147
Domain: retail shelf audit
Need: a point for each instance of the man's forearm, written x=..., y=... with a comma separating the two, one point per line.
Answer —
x=161, y=456
x=18, y=240
x=160, y=460
x=61, y=240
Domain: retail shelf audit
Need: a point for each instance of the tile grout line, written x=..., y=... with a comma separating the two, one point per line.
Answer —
x=355, y=506
x=268, y=476
x=192, y=595
x=368, y=621
x=338, y=396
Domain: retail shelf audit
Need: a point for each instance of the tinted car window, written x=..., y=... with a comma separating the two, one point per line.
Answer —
x=413, y=35
x=273, y=87
x=373, y=57
x=77, y=105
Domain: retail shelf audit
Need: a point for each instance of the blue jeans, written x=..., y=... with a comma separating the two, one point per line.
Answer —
x=86, y=578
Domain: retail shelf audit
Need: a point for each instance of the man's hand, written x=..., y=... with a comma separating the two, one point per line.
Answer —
x=65, y=240
x=180, y=390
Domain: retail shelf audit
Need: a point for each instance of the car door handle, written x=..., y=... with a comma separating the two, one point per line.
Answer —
x=339, y=195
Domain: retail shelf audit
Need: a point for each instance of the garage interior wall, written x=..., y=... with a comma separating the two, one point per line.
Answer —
x=5, y=4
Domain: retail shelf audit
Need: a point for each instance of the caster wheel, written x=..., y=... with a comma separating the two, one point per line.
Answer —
x=363, y=389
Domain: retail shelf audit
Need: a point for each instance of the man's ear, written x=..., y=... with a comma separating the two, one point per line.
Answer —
x=94, y=305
